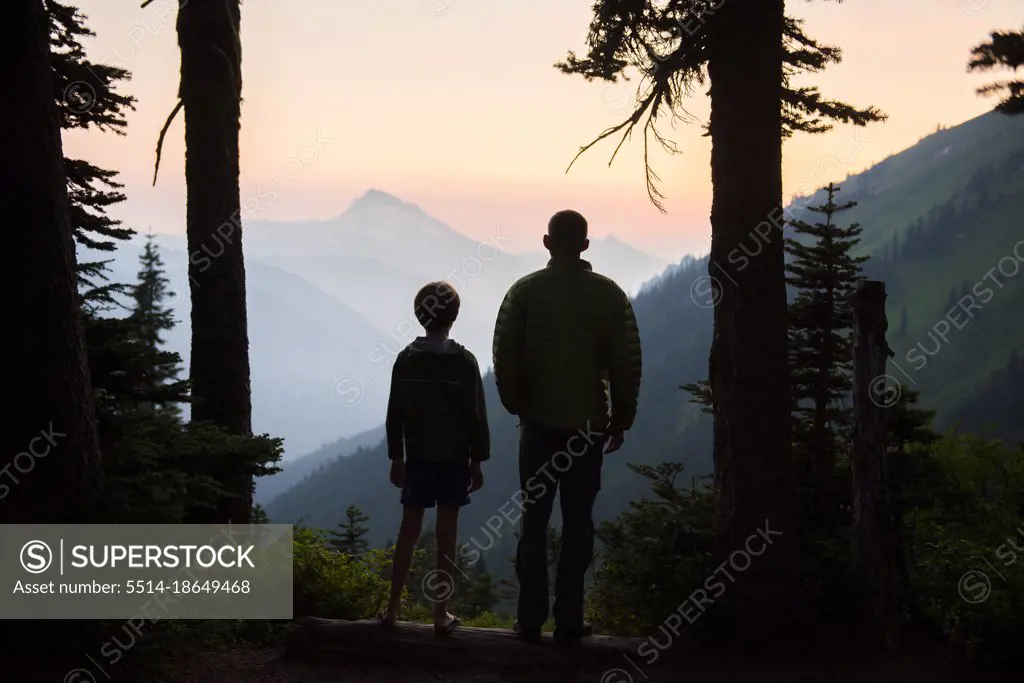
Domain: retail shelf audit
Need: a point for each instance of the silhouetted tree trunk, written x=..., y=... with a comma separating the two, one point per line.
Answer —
x=49, y=428
x=748, y=370
x=876, y=546
x=211, y=90
x=49, y=435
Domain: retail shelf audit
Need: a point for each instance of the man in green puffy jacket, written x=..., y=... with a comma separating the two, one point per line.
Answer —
x=567, y=362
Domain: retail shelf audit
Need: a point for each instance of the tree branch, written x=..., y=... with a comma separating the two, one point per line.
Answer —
x=163, y=132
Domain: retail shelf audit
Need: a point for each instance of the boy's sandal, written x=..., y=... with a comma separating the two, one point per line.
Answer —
x=447, y=629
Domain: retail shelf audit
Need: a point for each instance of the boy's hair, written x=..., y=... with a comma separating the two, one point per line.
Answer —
x=436, y=306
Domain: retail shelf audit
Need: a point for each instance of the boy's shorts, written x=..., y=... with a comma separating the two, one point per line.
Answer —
x=436, y=483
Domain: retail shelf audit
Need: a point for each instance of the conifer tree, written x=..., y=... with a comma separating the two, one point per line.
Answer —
x=46, y=371
x=825, y=275
x=259, y=515
x=476, y=591
x=350, y=539
x=157, y=469
x=1005, y=50
x=150, y=319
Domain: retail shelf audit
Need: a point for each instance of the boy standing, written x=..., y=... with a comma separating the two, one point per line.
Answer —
x=437, y=438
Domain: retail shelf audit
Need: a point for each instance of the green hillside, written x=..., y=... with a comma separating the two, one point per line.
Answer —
x=953, y=206
x=904, y=187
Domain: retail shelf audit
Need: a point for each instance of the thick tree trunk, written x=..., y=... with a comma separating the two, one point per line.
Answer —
x=211, y=90
x=876, y=547
x=50, y=446
x=748, y=368
x=50, y=449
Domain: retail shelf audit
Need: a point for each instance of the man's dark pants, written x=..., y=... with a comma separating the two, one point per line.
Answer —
x=552, y=461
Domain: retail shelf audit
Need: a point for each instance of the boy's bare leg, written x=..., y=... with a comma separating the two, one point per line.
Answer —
x=446, y=530
x=408, y=534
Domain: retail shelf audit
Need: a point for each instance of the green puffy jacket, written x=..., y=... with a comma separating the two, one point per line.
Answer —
x=563, y=334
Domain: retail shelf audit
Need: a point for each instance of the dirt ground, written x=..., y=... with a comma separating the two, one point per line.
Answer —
x=260, y=666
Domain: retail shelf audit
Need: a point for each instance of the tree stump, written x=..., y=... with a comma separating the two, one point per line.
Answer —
x=875, y=554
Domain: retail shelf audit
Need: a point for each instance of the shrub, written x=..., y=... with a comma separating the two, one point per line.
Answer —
x=653, y=556
x=964, y=544
x=334, y=585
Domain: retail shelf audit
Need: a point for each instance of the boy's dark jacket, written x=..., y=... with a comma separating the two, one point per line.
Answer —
x=436, y=409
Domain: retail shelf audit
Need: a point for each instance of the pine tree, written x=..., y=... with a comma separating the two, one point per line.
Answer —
x=825, y=275
x=150, y=319
x=156, y=468
x=476, y=592
x=259, y=515
x=350, y=537
x=1004, y=49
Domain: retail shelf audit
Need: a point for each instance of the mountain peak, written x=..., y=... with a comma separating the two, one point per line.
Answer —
x=375, y=197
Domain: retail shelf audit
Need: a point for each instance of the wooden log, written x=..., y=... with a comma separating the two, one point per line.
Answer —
x=417, y=643
x=875, y=554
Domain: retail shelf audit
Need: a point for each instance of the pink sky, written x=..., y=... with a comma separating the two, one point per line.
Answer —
x=454, y=106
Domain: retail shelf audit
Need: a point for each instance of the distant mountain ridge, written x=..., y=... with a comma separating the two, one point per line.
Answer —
x=301, y=342
x=376, y=254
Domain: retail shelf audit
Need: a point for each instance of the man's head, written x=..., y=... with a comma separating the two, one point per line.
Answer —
x=436, y=306
x=567, y=234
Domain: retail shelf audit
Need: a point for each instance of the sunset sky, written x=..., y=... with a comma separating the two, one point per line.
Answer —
x=454, y=105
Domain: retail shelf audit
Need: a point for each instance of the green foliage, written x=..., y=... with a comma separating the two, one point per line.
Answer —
x=87, y=97
x=475, y=592
x=336, y=585
x=349, y=538
x=653, y=556
x=965, y=538
x=995, y=409
x=259, y=515
x=497, y=620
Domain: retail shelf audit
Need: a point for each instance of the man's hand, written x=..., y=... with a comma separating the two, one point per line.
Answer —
x=615, y=439
x=398, y=473
x=476, y=477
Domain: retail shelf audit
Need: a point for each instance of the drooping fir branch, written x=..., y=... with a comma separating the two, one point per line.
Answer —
x=1005, y=50
x=86, y=97
x=665, y=43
